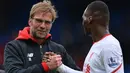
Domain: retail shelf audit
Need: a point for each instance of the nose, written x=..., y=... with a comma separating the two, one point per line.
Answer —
x=43, y=25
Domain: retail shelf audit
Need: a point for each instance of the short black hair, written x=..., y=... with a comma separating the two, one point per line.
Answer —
x=99, y=8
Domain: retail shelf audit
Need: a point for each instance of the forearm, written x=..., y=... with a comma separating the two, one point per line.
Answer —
x=68, y=61
x=65, y=69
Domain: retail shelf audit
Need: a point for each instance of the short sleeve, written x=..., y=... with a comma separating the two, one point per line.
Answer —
x=112, y=59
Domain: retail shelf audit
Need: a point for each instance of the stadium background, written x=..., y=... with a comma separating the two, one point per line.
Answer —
x=67, y=29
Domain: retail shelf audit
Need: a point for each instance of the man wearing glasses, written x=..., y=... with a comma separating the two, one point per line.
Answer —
x=25, y=53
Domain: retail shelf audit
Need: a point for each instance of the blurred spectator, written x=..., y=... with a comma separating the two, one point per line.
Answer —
x=1, y=54
x=2, y=69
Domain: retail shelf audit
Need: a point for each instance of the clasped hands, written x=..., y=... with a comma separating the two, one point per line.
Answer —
x=52, y=59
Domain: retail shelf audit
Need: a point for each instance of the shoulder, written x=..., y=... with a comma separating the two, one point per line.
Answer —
x=14, y=44
x=110, y=44
x=56, y=46
x=111, y=50
x=109, y=47
x=52, y=43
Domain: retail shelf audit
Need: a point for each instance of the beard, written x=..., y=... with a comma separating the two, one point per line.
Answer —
x=39, y=34
x=87, y=31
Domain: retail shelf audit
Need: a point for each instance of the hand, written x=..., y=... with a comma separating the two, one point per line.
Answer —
x=47, y=55
x=54, y=61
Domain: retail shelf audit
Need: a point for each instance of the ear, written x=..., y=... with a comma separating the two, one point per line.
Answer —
x=30, y=22
x=90, y=19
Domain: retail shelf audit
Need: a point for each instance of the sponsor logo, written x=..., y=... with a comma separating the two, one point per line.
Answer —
x=113, y=62
x=30, y=55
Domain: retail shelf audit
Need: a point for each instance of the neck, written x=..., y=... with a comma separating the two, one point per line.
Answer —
x=98, y=33
x=40, y=41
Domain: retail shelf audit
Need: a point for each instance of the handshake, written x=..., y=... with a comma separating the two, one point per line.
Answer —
x=52, y=60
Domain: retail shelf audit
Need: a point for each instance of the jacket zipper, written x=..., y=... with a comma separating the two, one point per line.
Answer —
x=41, y=51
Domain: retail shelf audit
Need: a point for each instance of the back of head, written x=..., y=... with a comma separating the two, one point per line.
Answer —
x=45, y=6
x=99, y=10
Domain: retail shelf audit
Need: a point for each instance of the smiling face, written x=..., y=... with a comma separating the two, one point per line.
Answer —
x=40, y=24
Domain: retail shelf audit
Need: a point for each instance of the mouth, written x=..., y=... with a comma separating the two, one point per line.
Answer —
x=42, y=32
